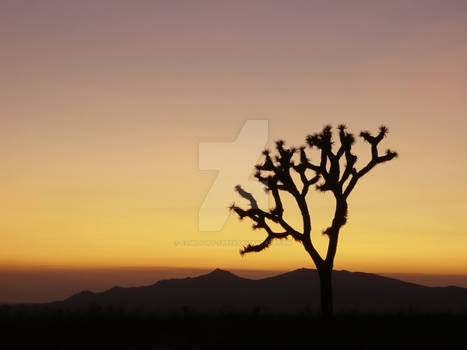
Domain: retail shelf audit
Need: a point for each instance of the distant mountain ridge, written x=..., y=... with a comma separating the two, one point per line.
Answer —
x=292, y=292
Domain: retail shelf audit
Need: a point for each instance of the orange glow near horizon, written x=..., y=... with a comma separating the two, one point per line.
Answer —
x=104, y=106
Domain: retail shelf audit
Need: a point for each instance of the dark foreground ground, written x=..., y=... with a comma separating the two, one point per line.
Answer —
x=117, y=330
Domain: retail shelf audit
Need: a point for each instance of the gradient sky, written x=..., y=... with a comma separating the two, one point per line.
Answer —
x=103, y=105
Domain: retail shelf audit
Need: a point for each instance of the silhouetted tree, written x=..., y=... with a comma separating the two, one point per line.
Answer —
x=329, y=174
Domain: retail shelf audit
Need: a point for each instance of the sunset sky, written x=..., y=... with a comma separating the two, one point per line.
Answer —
x=104, y=105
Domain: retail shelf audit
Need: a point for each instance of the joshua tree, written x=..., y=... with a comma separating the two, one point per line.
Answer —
x=335, y=172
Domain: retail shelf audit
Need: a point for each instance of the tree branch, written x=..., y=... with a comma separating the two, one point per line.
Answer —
x=259, y=217
x=375, y=158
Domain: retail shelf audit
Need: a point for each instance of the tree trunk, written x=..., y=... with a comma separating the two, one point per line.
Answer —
x=325, y=277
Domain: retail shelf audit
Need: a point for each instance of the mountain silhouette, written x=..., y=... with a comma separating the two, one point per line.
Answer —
x=293, y=292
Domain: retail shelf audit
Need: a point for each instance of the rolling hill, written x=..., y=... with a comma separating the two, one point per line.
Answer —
x=293, y=292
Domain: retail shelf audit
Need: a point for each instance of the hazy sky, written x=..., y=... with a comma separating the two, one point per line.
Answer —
x=103, y=105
